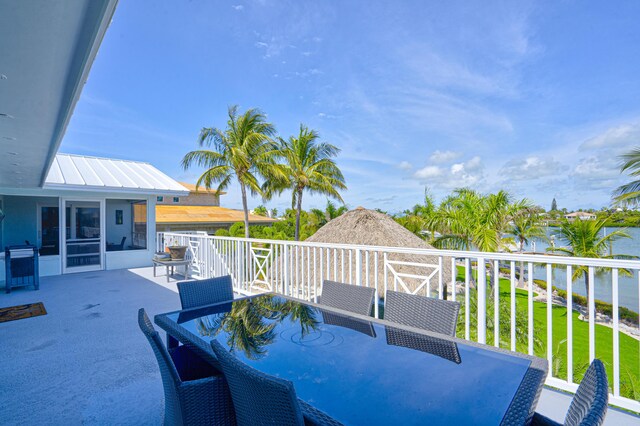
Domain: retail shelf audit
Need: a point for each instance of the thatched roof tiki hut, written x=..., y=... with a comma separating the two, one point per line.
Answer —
x=370, y=228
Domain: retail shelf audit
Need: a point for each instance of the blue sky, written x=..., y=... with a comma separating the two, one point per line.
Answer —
x=537, y=98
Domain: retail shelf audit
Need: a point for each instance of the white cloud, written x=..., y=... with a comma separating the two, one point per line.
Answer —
x=465, y=174
x=405, y=165
x=596, y=173
x=457, y=168
x=428, y=172
x=443, y=156
x=530, y=168
x=624, y=136
x=238, y=7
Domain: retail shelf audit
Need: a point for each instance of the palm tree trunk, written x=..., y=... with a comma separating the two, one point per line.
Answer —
x=298, y=211
x=246, y=210
x=521, y=276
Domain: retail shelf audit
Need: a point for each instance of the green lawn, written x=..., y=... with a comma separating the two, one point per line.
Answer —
x=629, y=347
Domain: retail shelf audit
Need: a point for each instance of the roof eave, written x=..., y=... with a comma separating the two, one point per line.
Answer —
x=140, y=191
x=77, y=82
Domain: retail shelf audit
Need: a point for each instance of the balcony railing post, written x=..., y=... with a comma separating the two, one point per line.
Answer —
x=285, y=269
x=358, y=267
x=482, y=301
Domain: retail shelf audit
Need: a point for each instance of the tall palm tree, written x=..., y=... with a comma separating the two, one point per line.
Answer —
x=585, y=238
x=629, y=193
x=309, y=166
x=244, y=151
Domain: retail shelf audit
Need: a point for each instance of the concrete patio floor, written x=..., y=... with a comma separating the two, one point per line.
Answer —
x=86, y=361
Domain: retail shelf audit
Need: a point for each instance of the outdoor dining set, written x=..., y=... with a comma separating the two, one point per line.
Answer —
x=272, y=360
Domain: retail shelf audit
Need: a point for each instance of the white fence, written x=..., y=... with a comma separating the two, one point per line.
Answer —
x=494, y=309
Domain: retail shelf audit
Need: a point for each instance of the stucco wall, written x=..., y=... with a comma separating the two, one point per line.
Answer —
x=20, y=222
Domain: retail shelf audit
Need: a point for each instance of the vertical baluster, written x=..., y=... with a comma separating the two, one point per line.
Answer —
x=592, y=314
x=342, y=265
x=549, y=315
x=302, y=272
x=375, y=280
x=440, y=277
x=285, y=268
x=496, y=303
x=350, y=266
x=513, y=305
x=454, y=275
x=530, y=308
x=321, y=271
x=335, y=264
x=366, y=263
x=482, y=301
x=358, y=267
x=569, y=324
x=467, y=272
x=296, y=283
x=386, y=276
x=616, y=333
x=308, y=274
x=315, y=277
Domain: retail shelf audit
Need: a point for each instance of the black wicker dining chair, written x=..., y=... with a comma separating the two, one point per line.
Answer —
x=261, y=399
x=352, y=298
x=195, y=393
x=195, y=293
x=426, y=313
x=589, y=404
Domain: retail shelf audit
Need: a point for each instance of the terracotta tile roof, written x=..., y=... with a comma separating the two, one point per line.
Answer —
x=204, y=214
x=192, y=188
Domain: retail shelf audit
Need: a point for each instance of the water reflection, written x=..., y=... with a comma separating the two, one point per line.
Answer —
x=249, y=323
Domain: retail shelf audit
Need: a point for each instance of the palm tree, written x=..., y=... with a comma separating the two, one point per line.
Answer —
x=629, y=193
x=417, y=219
x=331, y=211
x=309, y=166
x=467, y=220
x=525, y=226
x=584, y=238
x=244, y=151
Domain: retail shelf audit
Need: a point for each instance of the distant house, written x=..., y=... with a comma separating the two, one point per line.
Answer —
x=580, y=215
x=199, y=211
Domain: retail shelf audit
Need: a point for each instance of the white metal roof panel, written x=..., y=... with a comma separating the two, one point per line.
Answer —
x=78, y=172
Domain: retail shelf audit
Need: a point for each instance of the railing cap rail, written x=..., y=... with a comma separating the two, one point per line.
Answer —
x=462, y=254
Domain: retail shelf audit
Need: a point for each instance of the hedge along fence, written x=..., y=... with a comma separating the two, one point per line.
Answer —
x=601, y=306
x=605, y=308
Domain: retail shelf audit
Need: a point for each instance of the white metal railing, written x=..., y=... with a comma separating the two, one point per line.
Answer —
x=481, y=282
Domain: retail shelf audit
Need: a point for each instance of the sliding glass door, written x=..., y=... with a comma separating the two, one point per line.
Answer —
x=83, y=236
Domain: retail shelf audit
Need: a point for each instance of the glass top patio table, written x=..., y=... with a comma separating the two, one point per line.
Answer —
x=360, y=370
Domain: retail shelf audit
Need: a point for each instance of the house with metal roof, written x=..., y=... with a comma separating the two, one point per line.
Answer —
x=82, y=213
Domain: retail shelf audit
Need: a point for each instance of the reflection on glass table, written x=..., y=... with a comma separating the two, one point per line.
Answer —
x=340, y=363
